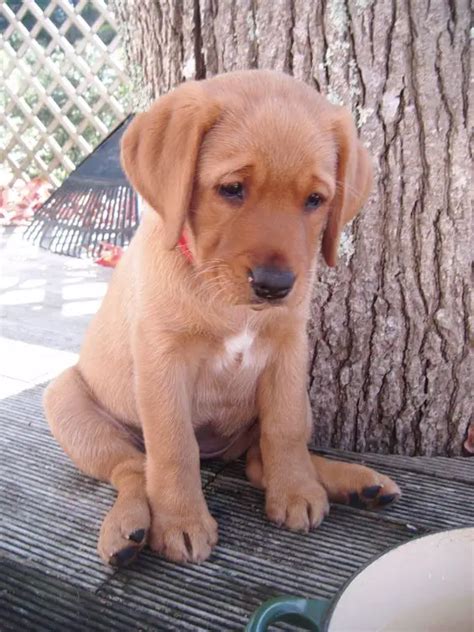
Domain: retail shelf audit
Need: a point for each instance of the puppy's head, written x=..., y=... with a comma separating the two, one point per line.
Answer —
x=257, y=165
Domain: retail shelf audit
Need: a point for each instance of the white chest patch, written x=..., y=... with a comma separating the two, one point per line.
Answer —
x=240, y=346
x=237, y=351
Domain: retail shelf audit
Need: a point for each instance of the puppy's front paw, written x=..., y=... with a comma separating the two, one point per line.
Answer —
x=299, y=507
x=186, y=537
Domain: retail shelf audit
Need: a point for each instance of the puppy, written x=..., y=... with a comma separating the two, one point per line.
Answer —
x=199, y=348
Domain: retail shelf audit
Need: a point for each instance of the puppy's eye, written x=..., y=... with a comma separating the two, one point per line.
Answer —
x=234, y=190
x=313, y=201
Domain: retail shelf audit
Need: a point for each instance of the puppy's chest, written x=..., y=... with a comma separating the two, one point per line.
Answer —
x=228, y=378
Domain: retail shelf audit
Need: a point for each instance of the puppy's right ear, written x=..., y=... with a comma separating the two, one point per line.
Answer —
x=160, y=150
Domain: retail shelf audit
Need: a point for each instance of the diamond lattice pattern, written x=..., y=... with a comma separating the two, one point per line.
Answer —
x=64, y=85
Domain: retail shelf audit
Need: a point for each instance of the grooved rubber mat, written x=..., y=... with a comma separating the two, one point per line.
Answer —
x=52, y=579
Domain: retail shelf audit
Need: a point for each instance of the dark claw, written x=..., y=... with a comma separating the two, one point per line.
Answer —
x=371, y=492
x=124, y=556
x=137, y=536
x=386, y=499
x=188, y=544
x=356, y=501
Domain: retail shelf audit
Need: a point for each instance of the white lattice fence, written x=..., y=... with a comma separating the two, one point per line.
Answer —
x=64, y=85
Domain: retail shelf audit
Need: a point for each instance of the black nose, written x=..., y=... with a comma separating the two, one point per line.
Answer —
x=271, y=283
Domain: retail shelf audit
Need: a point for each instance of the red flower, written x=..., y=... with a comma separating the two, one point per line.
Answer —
x=109, y=255
x=18, y=203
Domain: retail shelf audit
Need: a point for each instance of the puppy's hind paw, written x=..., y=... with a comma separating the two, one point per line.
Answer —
x=378, y=495
x=124, y=531
x=355, y=485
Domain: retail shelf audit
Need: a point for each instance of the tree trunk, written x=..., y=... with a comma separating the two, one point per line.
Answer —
x=390, y=369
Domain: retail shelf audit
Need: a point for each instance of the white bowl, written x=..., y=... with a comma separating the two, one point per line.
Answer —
x=425, y=585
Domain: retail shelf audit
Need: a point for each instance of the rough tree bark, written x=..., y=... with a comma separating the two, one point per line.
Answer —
x=390, y=331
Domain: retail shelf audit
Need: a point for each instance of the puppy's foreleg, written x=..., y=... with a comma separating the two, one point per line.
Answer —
x=182, y=527
x=294, y=496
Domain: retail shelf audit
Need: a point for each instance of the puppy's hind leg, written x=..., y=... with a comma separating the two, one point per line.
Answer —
x=101, y=449
x=345, y=483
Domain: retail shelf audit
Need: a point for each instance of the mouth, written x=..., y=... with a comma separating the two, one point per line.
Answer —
x=259, y=304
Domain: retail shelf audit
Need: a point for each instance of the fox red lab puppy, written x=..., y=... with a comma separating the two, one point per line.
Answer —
x=202, y=350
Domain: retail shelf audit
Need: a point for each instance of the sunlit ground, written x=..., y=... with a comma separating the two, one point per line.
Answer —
x=46, y=301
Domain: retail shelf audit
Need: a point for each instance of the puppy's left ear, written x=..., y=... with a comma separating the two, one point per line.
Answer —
x=160, y=150
x=354, y=182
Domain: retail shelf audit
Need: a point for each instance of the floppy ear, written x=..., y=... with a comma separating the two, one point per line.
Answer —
x=160, y=151
x=354, y=181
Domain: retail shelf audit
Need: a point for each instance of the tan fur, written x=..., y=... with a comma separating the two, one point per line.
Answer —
x=178, y=349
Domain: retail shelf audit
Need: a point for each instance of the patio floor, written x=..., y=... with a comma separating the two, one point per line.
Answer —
x=50, y=575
